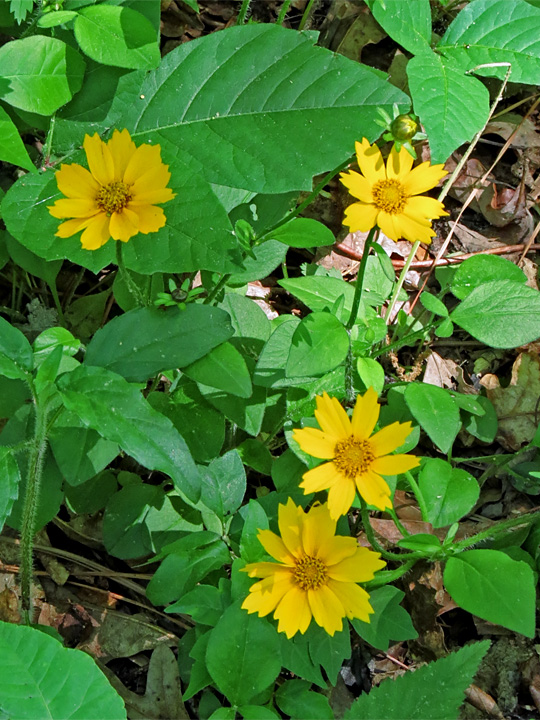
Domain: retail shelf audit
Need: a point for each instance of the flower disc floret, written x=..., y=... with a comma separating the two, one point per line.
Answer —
x=358, y=458
x=315, y=575
x=390, y=195
x=119, y=194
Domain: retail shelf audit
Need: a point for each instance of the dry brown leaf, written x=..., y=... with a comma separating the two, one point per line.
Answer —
x=517, y=406
x=440, y=371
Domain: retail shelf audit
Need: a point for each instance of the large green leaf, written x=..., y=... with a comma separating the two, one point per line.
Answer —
x=230, y=99
x=389, y=622
x=501, y=314
x=480, y=269
x=39, y=74
x=449, y=493
x=43, y=679
x=146, y=341
x=440, y=91
x=434, y=691
x=117, y=36
x=107, y=403
x=496, y=31
x=243, y=655
x=12, y=149
x=408, y=23
x=435, y=411
x=198, y=234
x=490, y=584
x=319, y=344
x=11, y=477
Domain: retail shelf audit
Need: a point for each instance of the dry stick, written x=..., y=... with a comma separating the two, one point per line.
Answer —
x=475, y=190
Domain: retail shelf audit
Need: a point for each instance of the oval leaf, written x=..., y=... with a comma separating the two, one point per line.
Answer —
x=435, y=411
x=319, y=344
x=449, y=493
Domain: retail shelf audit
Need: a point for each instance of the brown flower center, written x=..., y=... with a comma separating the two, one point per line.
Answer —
x=389, y=196
x=310, y=573
x=353, y=457
x=113, y=197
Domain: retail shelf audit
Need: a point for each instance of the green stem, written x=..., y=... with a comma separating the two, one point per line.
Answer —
x=495, y=530
x=401, y=280
x=126, y=277
x=283, y=11
x=349, y=374
x=373, y=540
x=304, y=204
x=241, y=19
x=386, y=577
x=397, y=522
x=54, y=293
x=359, y=285
x=30, y=507
x=418, y=494
x=305, y=16
x=216, y=289
x=48, y=139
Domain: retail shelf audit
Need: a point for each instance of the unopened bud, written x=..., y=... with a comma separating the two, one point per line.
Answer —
x=403, y=128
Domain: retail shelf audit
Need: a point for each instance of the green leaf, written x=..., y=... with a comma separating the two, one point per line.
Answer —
x=125, y=531
x=449, y=493
x=39, y=74
x=12, y=148
x=329, y=651
x=224, y=484
x=257, y=712
x=105, y=402
x=440, y=91
x=319, y=344
x=491, y=585
x=20, y=9
x=32, y=263
x=270, y=368
x=435, y=411
x=79, y=451
x=480, y=269
x=496, y=31
x=266, y=258
x=295, y=657
x=483, y=427
x=55, y=18
x=118, y=36
x=304, y=233
x=11, y=478
x=203, y=603
x=223, y=368
x=145, y=341
x=371, y=373
x=296, y=699
x=434, y=691
x=228, y=100
x=500, y=313
x=390, y=622
x=321, y=293
x=243, y=655
x=408, y=23
x=42, y=679
x=16, y=356
x=247, y=318
x=256, y=519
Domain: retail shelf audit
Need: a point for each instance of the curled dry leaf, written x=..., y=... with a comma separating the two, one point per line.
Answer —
x=518, y=405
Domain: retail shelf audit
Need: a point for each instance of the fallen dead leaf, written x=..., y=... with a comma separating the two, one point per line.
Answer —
x=517, y=406
x=440, y=371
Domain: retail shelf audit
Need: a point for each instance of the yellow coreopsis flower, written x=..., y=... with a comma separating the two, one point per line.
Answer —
x=389, y=195
x=358, y=458
x=316, y=574
x=117, y=197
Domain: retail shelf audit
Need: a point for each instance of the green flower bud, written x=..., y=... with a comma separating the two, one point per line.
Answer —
x=403, y=128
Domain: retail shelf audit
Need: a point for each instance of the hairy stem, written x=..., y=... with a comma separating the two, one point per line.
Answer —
x=126, y=276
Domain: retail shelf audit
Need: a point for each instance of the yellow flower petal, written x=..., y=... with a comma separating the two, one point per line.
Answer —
x=74, y=181
x=370, y=161
x=414, y=229
x=154, y=179
x=266, y=569
x=73, y=208
x=360, y=567
x=357, y=185
x=275, y=546
x=293, y=613
x=331, y=417
x=354, y=599
x=320, y=478
x=70, y=227
x=152, y=197
x=263, y=601
x=338, y=548
x=374, y=490
x=340, y=497
x=315, y=443
x=318, y=531
x=290, y=521
x=328, y=612
x=97, y=232
x=398, y=164
x=423, y=178
x=99, y=159
x=389, y=226
x=360, y=217
x=423, y=206
x=150, y=218
x=394, y=464
x=390, y=438
x=121, y=147
x=365, y=414
x=124, y=225
x=141, y=162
